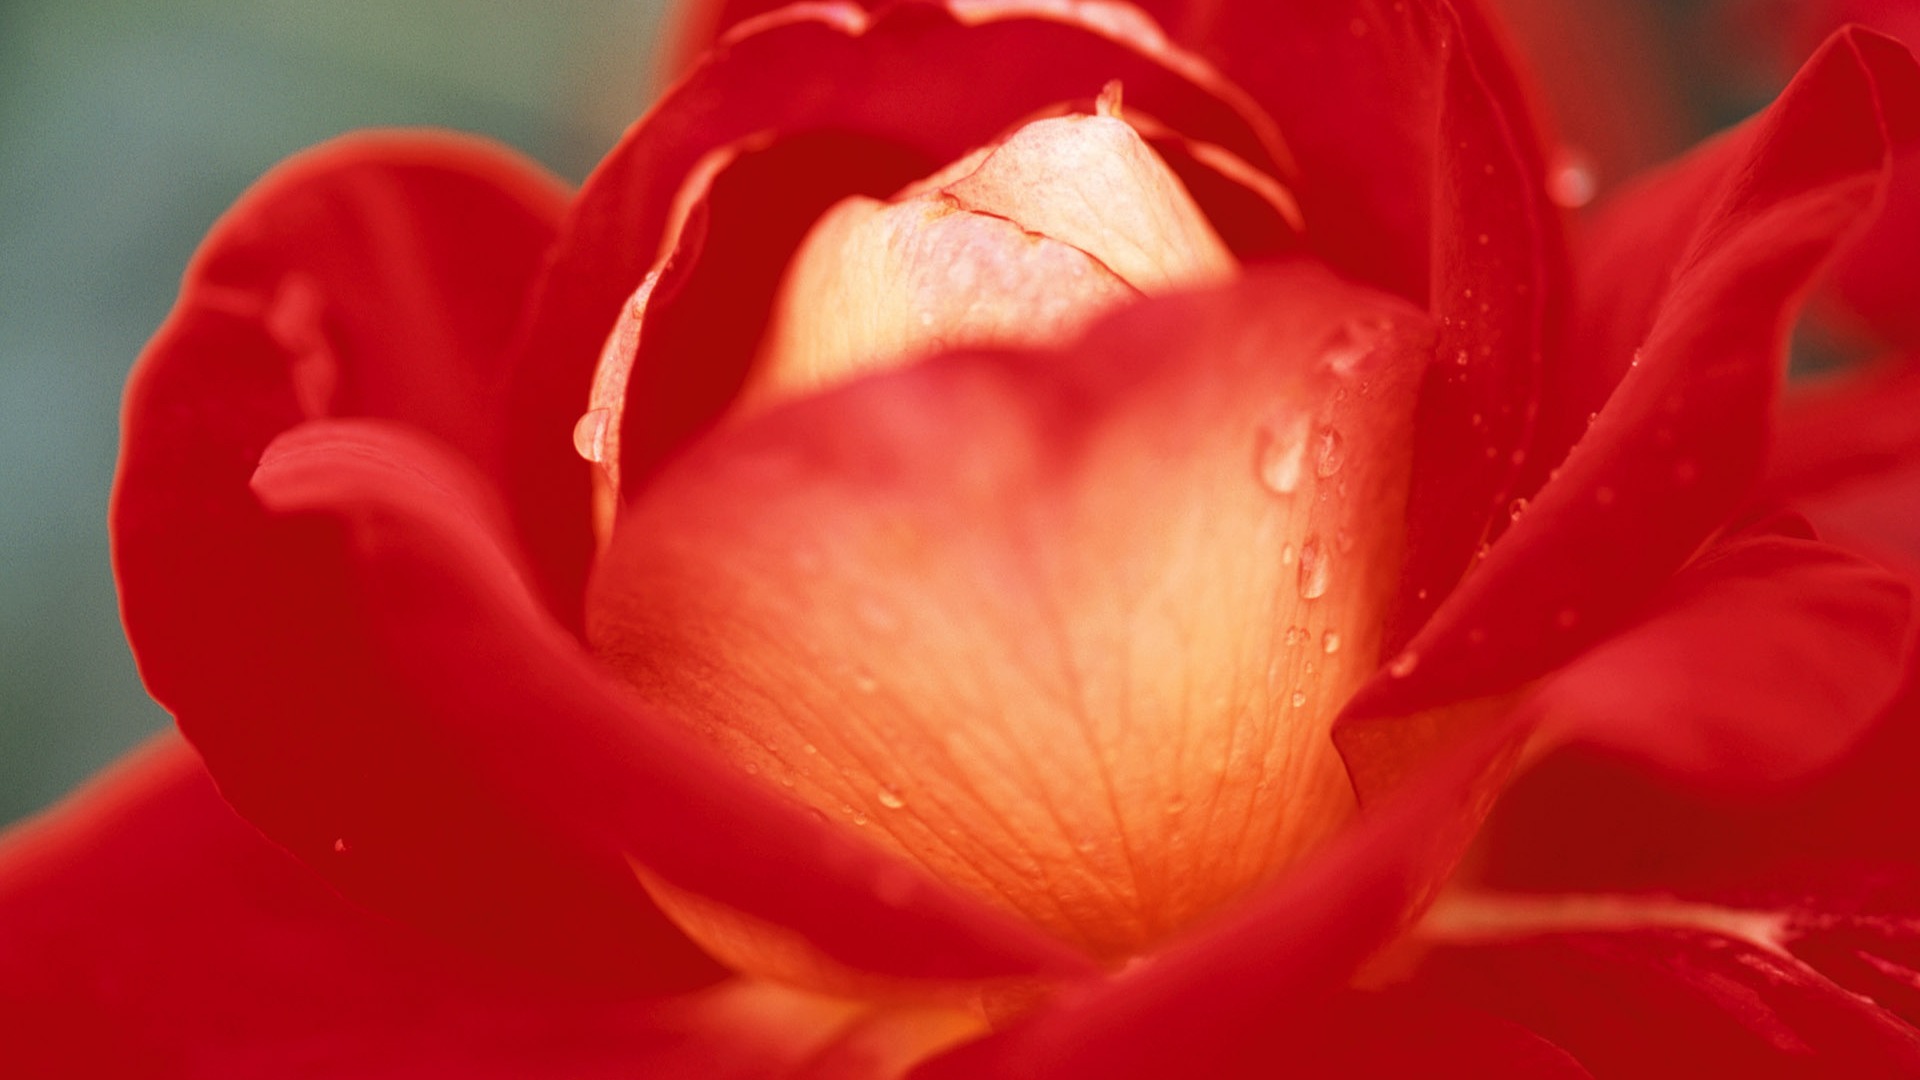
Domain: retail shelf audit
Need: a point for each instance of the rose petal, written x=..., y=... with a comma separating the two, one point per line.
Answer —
x=1682, y=439
x=1498, y=270
x=1322, y=71
x=1659, y=987
x=1263, y=983
x=463, y=663
x=146, y=931
x=811, y=69
x=1047, y=619
x=1846, y=429
x=353, y=281
x=1763, y=662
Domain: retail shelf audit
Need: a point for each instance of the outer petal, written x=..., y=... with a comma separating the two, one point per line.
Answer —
x=1682, y=439
x=353, y=281
x=815, y=70
x=1874, y=284
x=1762, y=663
x=463, y=662
x=1850, y=429
x=146, y=931
x=1655, y=987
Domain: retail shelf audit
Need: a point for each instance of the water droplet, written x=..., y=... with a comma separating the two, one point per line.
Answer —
x=1403, y=665
x=1462, y=358
x=1516, y=508
x=810, y=748
x=859, y=817
x=1420, y=594
x=1296, y=634
x=1343, y=541
x=891, y=799
x=1299, y=699
x=1330, y=642
x=1330, y=452
x=1570, y=179
x=340, y=845
x=1592, y=418
x=1176, y=805
x=1313, y=570
x=590, y=435
x=1288, y=555
x=1484, y=239
x=1283, y=454
x=1351, y=343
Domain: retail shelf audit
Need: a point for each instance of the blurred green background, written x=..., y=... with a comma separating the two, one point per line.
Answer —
x=127, y=127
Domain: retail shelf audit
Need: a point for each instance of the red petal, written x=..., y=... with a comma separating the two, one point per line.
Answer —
x=808, y=70
x=1852, y=428
x=1681, y=440
x=1262, y=985
x=146, y=931
x=1764, y=661
x=358, y=279
x=1649, y=986
x=1323, y=71
x=453, y=676
x=1499, y=269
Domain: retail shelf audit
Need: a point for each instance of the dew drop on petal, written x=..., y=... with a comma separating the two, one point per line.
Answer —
x=1330, y=452
x=1282, y=454
x=1313, y=570
x=891, y=799
x=340, y=845
x=1403, y=665
x=1516, y=508
x=1299, y=699
x=1570, y=179
x=1330, y=642
x=590, y=435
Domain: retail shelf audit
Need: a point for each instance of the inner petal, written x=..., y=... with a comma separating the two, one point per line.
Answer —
x=1067, y=628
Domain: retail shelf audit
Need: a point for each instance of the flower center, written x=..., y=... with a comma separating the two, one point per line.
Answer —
x=1065, y=624
x=1023, y=244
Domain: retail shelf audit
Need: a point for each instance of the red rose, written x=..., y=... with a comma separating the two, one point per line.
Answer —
x=1066, y=613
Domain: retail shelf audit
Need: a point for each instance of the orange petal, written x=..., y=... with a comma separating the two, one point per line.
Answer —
x=1068, y=629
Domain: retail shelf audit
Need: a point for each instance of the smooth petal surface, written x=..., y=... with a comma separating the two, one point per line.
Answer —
x=1498, y=274
x=1763, y=662
x=375, y=277
x=1681, y=441
x=1063, y=627
x=1264, y=982
x=146, y=931
x=1847, y=429
x=465, y=659
x=812, y=71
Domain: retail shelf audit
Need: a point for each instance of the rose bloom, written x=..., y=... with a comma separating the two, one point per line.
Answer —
x=1021, y=539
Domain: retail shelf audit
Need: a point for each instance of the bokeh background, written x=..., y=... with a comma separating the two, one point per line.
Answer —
x=127, y=126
